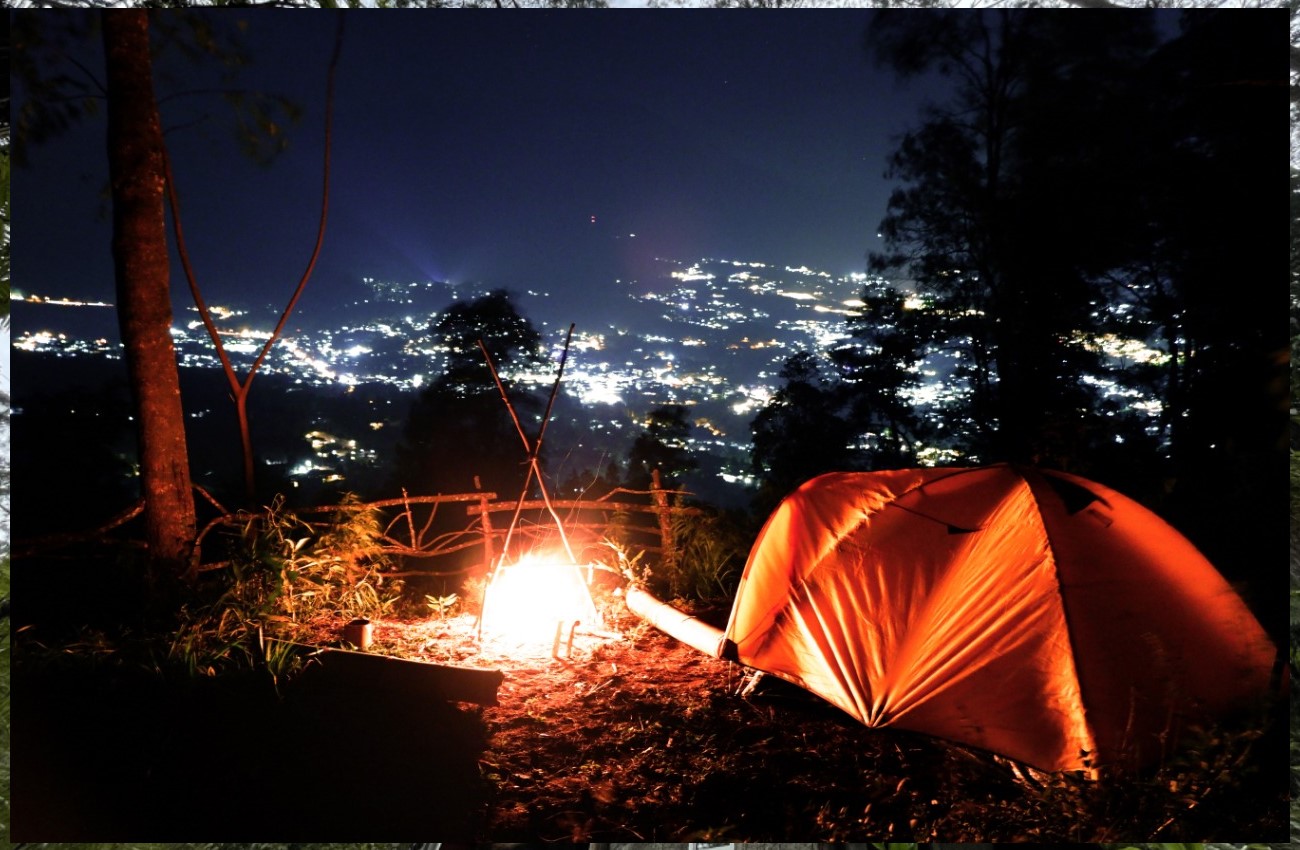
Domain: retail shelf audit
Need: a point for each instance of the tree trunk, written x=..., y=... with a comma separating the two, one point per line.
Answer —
x=144, y=311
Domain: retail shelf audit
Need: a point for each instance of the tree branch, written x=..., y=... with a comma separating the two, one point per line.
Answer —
x=240, y=388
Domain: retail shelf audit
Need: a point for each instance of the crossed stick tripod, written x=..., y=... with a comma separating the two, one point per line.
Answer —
x=533, y=448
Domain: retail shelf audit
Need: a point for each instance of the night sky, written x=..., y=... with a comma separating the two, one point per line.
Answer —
x=478, y=147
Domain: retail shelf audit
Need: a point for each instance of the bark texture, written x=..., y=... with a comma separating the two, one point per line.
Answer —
x=144, y=310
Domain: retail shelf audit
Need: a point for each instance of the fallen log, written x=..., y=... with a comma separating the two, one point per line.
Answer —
x=687, y=629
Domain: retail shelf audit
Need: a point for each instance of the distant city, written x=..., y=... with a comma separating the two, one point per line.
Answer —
x=711, y=335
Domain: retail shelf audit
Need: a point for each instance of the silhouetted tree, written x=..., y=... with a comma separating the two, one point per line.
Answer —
x=877, y=369
x=5, y=441
x=1218, y=93
x=662, y=446
x=57, y=98
x=5, y=166
x=459, y=428
x=1295, y=303
x=800, y=433
x=1084, y=181
x=1226, y=390
x=988, y=219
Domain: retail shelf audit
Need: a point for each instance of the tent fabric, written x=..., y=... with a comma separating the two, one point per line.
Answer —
x=1032, y=613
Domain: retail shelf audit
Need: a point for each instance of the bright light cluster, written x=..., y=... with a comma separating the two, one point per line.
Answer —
x=526, y=602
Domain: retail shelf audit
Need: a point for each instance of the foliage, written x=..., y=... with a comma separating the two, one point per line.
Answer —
x=1005, y=218
x=1294, y=752
x=909, y=788
x=1294, y=476
x=4, y=222
x=651, y=4
x=1216, y=769
x=5, y=380
x=662, y=446
x=284, y=574
x=442, y=605
x=1294, y=269
x=208, y=846
x=61, y=92
x=1295, y=485
x=336, y=570
x=60, y=95
x=1009, y=284
x=711, y=550
x=1294, y=628
x=508, y=336
x=879, y=368
x=631, y=566
x=801, y=432
x=5, y=243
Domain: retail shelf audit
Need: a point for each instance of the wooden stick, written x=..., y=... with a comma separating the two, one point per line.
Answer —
x=533, y=449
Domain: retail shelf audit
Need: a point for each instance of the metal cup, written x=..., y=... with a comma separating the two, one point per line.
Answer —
x=358, y=633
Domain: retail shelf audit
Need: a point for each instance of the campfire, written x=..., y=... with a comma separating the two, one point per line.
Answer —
x=531, y=604
x=535, y=605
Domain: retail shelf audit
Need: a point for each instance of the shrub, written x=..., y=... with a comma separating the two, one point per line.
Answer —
x=283, y=574
x=711, y=549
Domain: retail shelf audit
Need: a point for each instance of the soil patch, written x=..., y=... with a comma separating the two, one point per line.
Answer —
x=642, y=738
x=631, y=737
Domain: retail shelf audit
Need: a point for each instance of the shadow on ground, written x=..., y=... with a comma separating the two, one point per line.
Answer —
x=122, y=755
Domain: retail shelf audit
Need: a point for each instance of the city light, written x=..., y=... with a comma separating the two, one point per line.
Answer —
x=711, y=335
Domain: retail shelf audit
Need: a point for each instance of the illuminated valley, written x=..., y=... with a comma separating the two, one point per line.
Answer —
x=710, y=335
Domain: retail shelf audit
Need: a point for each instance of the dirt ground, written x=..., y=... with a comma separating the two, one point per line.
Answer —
x=638, y=737
x=632, y=737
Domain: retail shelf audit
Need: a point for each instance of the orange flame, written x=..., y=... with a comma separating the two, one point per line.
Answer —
x=527, y=602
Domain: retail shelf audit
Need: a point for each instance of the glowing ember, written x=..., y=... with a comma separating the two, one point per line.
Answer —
x=526, y=603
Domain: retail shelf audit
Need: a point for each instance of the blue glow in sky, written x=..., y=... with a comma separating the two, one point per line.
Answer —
x=478, y=147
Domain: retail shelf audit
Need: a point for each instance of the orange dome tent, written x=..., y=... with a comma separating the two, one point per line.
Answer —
x=1031, y=613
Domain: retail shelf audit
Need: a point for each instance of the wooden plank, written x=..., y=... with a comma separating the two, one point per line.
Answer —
x=384, y=677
